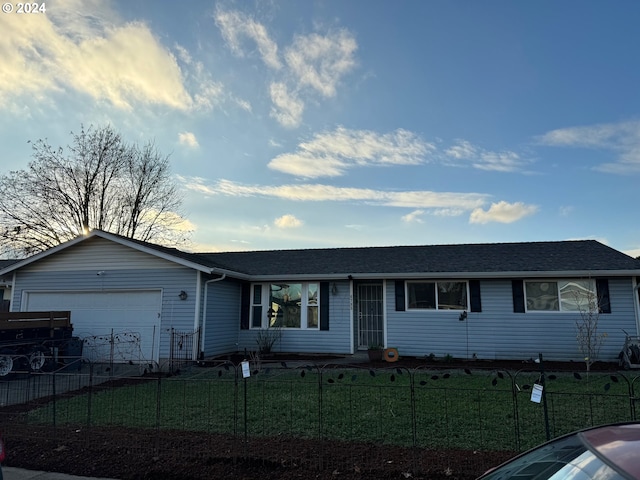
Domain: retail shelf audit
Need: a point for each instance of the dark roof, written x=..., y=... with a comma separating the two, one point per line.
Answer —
x=579, y=257
x=564, y=256
x=6, y=263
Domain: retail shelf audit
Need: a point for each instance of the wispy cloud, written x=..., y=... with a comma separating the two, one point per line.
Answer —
x=462, y=153
x=287, y=108
x=413, y=217
x=622, y=138
x=320, y=61
x=312, y=65
x=235, y=25
x=188, y=139
x=422, y=201
x=120, y=63
x=330, y=154
x=288, y=221
x=324, y=193
x=502, y=212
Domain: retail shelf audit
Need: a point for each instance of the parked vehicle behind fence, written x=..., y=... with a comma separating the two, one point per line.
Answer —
x=609, y=452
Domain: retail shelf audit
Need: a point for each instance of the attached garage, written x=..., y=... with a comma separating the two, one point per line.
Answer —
x=120, y=324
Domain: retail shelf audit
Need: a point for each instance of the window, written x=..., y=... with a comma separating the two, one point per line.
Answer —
x=437, y=295
x=257, y=307
x=561, y=295
x=287, y=305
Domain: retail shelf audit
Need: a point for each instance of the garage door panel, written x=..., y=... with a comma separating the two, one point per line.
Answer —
x=131, y=317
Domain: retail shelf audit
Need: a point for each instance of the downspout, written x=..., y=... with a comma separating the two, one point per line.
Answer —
x=13, y=292
x=636, y=304
x=204, y=310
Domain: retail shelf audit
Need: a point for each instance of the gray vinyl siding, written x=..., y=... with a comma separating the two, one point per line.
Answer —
x=499, y=333
x=222, y=318
x=335, y=340
x=100, y=254
x=54, y=274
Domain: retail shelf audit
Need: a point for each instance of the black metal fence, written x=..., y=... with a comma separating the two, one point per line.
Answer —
x=324, y=416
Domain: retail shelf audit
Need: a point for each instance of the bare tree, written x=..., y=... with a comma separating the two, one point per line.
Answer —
x=100, y=182
x=589, y=339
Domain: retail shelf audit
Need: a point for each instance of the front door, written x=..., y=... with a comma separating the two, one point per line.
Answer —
x=370, y=310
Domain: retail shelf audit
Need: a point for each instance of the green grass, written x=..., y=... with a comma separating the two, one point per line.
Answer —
x=480, y=410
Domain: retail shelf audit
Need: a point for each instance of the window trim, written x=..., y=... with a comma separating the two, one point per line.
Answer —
x=407, y=304
x=265, y=305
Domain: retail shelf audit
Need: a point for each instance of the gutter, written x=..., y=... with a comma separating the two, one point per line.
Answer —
x=204, y=311
x=437, y=275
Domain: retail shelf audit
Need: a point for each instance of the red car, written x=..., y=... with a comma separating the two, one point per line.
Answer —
x=609, y=452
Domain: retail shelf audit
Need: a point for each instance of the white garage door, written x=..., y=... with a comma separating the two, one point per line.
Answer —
x=119, y=325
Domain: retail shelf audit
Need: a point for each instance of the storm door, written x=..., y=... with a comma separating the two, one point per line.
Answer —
x=370, y=311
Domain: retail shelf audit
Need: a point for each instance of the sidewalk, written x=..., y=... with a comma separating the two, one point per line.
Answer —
x=10, y=473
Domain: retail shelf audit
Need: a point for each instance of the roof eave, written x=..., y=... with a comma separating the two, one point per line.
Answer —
x=437, y=275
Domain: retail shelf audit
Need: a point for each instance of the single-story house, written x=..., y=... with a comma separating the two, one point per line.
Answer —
x=486, y=301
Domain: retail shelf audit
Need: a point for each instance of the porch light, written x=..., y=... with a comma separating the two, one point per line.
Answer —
x=182, y=295
x=334, y=289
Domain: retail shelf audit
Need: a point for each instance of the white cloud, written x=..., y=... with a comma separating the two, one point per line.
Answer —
x=313, y=65
x=463, y=152
x=502, y=212
x=122, y=64
x=622, y=138
x=413, y=217
x=439, y=203
x=287, y=109
x=320, y=192
x=234, y=25
x=499, y=161
x=565, y=211
x=634, y=252
x=330, y=154
x=287, y=221
x=188, y=139
x=319, y=62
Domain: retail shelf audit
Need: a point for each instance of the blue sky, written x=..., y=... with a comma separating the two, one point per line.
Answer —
x=298, y=124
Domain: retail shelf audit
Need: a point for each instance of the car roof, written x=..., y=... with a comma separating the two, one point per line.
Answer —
x=618, y=444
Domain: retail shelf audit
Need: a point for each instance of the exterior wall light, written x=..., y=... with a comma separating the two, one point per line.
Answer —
x=183, y=295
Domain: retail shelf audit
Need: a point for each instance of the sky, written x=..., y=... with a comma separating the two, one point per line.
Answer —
x=341, y=123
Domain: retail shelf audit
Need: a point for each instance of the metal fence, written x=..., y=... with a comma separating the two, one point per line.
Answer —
x=308, y=414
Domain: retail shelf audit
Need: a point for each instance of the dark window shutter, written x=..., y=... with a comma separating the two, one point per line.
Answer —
x=517, y=288
x=400, y=296
x=474, y=294
x=324, y=305
x=257, y=316
x=602, y=290
x=245, y=306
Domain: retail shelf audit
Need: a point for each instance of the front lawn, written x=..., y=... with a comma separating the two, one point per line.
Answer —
x=478, y=409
